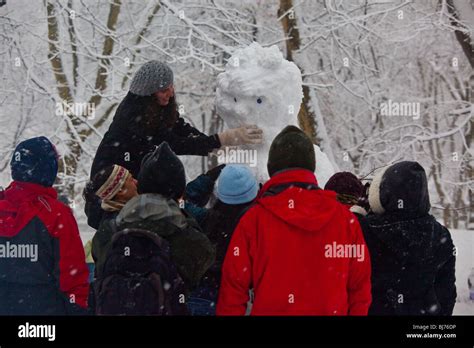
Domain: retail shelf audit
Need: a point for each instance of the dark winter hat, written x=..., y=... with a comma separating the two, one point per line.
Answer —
x=345, y=183
x=35, y=160
x=291, y=148
x=400, y=187
x=153, y=76
x=237, y=185
x=162, y=172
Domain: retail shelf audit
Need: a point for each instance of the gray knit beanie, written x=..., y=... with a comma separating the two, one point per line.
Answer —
x=151, y=77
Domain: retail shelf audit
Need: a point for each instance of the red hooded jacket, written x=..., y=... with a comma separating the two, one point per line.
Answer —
x=57, y=278
x=301, y=251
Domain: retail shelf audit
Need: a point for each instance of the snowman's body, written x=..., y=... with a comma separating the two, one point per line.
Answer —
x=260, y=87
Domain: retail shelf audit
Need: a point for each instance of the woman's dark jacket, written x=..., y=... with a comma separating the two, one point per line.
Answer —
x=132, y=135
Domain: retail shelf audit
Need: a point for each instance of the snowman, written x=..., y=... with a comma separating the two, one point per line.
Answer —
x=260, y=87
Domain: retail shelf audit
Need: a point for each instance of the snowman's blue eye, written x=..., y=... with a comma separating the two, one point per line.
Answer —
x=259, y=100
x=235, y=99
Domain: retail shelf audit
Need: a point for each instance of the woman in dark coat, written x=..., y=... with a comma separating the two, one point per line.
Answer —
x=147, y=117
x=412, y=255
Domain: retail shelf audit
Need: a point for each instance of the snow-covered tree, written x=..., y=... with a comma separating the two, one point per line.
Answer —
x=66, y=65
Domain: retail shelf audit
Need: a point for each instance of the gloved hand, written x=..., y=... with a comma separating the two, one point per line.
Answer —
x=215, y=172
x=248, y=134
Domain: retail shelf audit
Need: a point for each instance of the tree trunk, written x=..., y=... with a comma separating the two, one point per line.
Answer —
x=463, y=35
x=462, y=32
x=101, y=77
x=288, y=20
x=69, y=166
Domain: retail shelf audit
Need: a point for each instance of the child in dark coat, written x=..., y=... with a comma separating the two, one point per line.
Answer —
x=350, y=191
x=114, y=186
x=199, y=191
x=236, y=191
x=413, y=256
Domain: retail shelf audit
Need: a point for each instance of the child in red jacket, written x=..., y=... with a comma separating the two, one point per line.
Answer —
x=300, y=250
x=42, y=263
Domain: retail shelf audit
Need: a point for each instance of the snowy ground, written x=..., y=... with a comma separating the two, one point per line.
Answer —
x=86, y=232
x=463, y=240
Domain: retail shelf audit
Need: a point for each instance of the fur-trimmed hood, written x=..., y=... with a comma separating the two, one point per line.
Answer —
x=401, y=188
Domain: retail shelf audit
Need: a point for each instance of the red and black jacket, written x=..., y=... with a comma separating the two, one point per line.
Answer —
x=53, y=280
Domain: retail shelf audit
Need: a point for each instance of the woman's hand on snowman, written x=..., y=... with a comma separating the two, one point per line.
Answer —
x=247, y=134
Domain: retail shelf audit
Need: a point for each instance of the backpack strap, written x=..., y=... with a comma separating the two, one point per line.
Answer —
x=276, y=189
x=113, y=225
x=158, y=286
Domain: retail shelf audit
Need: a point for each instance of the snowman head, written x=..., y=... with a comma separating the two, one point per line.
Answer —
x=259, y=87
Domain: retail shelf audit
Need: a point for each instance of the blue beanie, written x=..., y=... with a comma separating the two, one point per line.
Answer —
x=35, y=160
x=236, y=185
